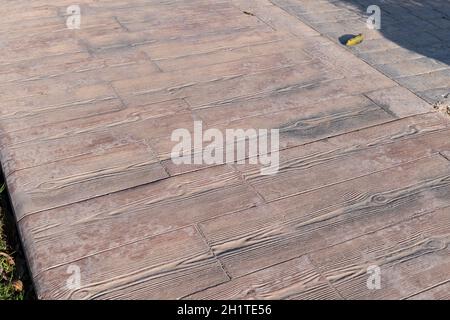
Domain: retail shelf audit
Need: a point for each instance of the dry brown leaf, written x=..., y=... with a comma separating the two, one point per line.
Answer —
x=9, y=259
x=18, y=285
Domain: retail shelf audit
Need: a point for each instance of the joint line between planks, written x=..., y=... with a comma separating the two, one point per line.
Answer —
x=326, y=279
x=205, y=240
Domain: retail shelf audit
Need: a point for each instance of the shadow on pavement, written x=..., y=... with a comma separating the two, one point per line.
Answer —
x=412, y=46
x=419, y=26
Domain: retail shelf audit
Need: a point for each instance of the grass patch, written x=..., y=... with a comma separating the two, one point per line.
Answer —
x=10, y=287
x=12, y=270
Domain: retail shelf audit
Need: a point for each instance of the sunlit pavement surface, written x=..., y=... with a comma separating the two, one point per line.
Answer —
x=359, y=209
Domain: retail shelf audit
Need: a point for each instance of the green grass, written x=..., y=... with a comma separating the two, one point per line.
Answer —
x=7, y=265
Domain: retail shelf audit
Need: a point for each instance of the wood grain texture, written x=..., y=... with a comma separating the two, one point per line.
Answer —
x=337, y=159
x=258, y=72
x=435, y=292
x=327, y=216
x=70, y=232
x=413, y=256
x=297, y=124
x=295, y=279
x=86, y=120
x=168, y=266
x=94, y=135
x=84, y=177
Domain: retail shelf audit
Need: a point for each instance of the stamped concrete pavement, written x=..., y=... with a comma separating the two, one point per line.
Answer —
x=86, y=120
